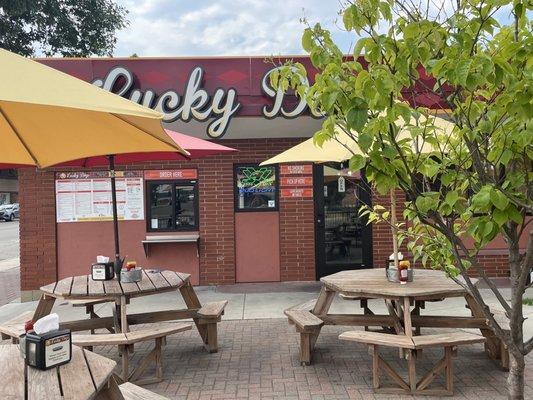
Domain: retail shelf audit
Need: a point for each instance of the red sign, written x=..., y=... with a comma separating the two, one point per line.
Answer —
x=296, y=169
x=157, y=174
x=297, y=192
x=296, y=181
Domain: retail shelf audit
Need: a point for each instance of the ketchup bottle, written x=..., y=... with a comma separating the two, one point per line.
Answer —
x=403, y=273
x=28, y=326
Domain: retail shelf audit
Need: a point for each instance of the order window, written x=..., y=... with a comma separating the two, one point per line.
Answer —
x=256, y=188
x=172, y=206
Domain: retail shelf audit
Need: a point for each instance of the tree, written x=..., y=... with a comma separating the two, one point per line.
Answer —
x=476, y=182
x=71, y=28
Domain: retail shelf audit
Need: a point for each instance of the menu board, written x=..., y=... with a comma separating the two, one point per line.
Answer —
x=86, y=196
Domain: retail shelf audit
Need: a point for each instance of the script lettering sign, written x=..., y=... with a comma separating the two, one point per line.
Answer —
x=194, y=102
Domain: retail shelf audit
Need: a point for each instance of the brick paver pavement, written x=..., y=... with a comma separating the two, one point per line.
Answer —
x=258, y=359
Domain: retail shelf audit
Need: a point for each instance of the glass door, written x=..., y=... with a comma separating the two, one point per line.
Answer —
x=343, y=239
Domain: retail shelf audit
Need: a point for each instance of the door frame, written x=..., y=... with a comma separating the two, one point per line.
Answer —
x=320, y=225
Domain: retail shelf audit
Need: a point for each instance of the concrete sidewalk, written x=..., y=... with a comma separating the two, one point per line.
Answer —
x=9, y=280
x=258, y=301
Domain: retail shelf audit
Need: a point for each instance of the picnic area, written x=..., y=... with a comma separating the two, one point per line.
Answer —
x=259, y=352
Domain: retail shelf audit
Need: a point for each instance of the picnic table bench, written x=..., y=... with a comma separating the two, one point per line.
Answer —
x=125, y=342
x=132, y=392
x=447, y=341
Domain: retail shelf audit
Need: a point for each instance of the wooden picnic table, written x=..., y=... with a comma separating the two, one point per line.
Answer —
x=403, y=304
x=83, y=377
x=153, y=282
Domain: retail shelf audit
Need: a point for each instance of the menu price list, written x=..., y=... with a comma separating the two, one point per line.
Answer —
x=87, y=196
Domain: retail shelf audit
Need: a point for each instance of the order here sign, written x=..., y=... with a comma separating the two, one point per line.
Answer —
x=160, y=174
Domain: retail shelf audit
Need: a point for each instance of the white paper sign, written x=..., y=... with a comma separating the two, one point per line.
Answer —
x=341, y=184
x=86, y=196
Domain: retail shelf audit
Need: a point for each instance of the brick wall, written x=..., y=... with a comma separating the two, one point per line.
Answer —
x=37, y=228
x=297, y=238
x=495, y=265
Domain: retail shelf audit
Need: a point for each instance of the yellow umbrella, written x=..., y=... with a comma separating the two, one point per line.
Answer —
x=48, y=117
x=343, y=147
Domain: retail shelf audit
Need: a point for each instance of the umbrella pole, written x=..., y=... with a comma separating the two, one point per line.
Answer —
x=118, y=261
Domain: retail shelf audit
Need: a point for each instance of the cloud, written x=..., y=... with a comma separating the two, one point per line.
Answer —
x=223, y=27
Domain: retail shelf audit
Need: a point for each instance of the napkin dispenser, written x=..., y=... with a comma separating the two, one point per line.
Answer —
x=102, y=271
x=49, y=349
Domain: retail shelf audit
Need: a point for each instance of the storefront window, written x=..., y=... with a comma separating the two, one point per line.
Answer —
x=172, y=206
x=256, y=188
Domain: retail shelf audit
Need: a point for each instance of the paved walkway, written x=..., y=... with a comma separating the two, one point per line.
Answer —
x=258, y=357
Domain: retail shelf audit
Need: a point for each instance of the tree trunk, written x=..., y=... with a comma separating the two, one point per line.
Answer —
x=515, y=380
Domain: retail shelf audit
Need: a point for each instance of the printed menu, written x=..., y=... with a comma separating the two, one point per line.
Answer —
x=86, y=196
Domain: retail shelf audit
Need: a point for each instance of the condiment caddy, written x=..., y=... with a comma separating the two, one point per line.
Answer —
x=132, y=273
x=403, y=274
x=104, y=270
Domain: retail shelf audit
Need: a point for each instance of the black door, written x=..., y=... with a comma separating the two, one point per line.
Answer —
x=343, y=239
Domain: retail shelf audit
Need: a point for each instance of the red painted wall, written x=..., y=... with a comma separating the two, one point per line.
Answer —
x=257, y=247
x=78, y=244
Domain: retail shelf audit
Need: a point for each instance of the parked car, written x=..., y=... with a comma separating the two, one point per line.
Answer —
x=8, y=212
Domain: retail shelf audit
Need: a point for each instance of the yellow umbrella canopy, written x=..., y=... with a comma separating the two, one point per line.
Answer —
x=343, y=147
x=48, y=117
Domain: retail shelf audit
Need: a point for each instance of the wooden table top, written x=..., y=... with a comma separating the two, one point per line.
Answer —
x=373, y=283
x=83, y=286
x=80, y=379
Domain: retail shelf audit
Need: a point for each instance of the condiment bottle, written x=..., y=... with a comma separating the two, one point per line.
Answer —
x=28, y=326
x=131, y=265
x=403, y=273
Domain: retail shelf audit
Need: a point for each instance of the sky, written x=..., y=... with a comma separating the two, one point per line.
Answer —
x=224, y=27
x=232, y=27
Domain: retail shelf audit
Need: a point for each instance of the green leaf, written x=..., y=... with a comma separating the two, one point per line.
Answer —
x=307, y=40
x=357, y=118
x=451, y=198
x=357, y=162
x=499, y=216
x=481, y=200
x=425, y=203
x=365, y=141
x=329, y=99
x=359, y=46
x=514, y=214
x=498, y=199
x=462, y=70
x=487, y=229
